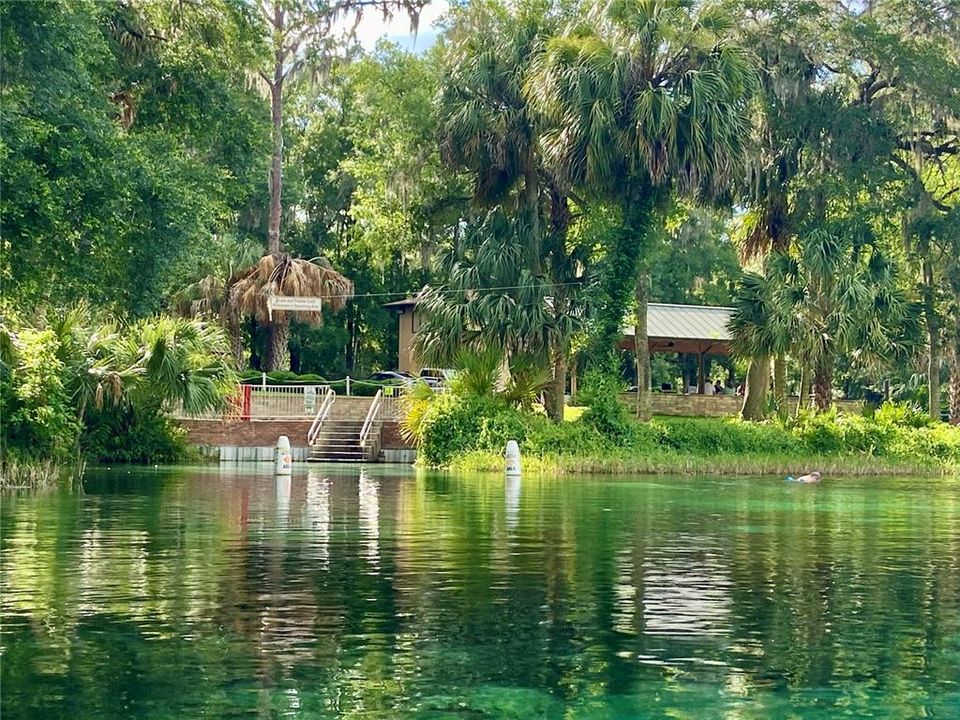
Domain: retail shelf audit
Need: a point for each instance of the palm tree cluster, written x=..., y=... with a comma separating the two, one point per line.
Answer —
x=68, y=365
x=622, y=105
x=825, y=144
x=836, y=294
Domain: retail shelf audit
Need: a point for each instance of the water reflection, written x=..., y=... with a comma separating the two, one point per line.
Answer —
x=368, y=490
x=342, y=593
x=284, y=483
x=317, y=514
x=512, y=501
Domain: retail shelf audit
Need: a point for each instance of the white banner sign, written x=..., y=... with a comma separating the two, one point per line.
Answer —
x=309, y=398
x=294, y=304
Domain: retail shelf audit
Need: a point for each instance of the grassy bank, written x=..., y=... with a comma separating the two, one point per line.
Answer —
x=469, y=433
x=672, y=463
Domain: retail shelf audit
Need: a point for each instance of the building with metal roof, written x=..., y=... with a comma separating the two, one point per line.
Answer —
x=696, y=329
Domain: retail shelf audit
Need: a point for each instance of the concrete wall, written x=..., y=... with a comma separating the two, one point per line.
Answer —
x=408, y=327
x=252, y=441
x=255, y=440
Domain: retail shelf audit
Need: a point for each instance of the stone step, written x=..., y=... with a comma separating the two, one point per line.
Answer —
x=339, y=434
x=336, y=457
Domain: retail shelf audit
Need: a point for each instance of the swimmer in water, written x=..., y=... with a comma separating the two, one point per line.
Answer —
x=813, y=477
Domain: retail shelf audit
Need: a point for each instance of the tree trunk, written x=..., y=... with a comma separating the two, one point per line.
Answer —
x=933, y=340
x=804, y=392
x=558, y=387
x=276, y=117
x=954, y=361
x=823, y=383
x=278, y=351
x=235, y=333
x=619, y=279
x=532, y=198
x=780, y=384
x=642, y=349
x=755, y=394
x=277, y=354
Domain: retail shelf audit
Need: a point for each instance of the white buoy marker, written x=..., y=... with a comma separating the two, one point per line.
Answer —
x=284, y=456
x=512, y=459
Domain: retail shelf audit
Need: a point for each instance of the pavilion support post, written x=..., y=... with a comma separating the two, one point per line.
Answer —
x=642, y=349
x=700, y=386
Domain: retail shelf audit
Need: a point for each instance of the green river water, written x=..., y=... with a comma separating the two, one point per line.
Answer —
x=196, y=592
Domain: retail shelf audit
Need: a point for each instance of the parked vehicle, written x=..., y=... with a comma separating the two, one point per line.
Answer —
x=436, y=377
x=397, y=376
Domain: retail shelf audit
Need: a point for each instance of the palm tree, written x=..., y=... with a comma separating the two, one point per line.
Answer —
x=643, y=97
x=304, y=40
x=490, y=297
x=839, y=291
x=490, y=128
x=160, y=362
x=285, y=275
x=773, y=157
x=760, y=331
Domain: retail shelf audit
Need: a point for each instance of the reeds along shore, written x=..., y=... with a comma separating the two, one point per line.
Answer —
x=693, y=465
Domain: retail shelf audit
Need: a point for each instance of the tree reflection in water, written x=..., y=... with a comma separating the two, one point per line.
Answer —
x=347, y=593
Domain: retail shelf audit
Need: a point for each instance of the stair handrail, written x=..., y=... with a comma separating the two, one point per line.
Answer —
x=372, y=415
x=322, y=412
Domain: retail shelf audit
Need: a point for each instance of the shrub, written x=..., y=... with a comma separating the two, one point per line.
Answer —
x=450, y=425
x=937, y=441
x=902, y=415
x=605, y=411
x=126, y=435
x=38, y=417
x=706, y=436
x=819, y=432
x=567, y=438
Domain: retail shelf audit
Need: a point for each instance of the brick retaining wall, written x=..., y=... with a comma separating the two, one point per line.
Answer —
x=255, y=433
x=712, y=405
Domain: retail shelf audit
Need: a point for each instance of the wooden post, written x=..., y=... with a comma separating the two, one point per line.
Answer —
x=699, y=370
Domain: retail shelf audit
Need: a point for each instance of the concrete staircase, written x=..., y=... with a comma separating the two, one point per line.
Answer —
x=338, y=441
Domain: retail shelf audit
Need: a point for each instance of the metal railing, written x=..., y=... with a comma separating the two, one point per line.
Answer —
x=285, y=401
x=322, y=412
x=373, y=418
x=264, y=402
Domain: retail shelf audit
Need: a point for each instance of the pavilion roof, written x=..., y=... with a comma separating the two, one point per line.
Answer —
x=686, y=322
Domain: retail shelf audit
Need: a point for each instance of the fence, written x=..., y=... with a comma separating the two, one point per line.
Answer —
x=300, y=402
x=265, y=402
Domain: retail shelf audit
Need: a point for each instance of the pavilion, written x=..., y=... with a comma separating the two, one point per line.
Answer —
x=700, y=330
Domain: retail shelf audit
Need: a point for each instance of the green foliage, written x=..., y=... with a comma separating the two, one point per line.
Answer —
x=122, y=154
x=605, y=411
x=452, y=424
x=450, y=427
x=37, y=416
x=566, y=438
x=124, y=434
x=73, y=374
x=902, y=414
x=708, y=436
x=478, y=372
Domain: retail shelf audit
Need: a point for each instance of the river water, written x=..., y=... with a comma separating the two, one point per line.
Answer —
x=340, y=593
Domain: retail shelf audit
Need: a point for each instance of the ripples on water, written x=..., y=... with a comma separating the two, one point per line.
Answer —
x=194, y=592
